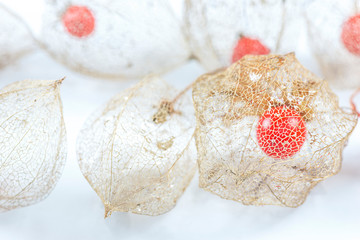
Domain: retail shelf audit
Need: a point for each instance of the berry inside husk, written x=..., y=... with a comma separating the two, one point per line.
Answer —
x=79, y=21
x=350, y=34
x=281, y=132
x=248, y=46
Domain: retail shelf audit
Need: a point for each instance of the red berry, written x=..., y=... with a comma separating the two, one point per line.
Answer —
x=246, y=46
x=79, y=21
x=281, y=132
x=350, y=34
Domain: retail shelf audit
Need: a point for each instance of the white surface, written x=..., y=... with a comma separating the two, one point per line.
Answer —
x=73, y=210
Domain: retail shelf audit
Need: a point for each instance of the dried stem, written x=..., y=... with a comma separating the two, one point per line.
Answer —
x=167, y=107
x=182, y=92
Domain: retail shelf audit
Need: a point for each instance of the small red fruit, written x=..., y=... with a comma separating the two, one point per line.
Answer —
x=281, y=132
x=248, y=46
x=350, y=34
x=79, y=21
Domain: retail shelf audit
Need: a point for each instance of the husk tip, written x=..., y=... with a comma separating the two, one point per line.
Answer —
x=59, y=82
x=108, y=211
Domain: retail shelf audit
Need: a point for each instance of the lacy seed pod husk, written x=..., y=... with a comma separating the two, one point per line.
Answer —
x=15, y=37
x=334, y=37
x=267, y=131
x=118, y=39
x=221, y=32
x=138, y=151
x=33, y=142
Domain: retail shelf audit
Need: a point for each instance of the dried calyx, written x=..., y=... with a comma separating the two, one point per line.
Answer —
x=267, y=131
x=220, y=33
x=138, y=152
x=33, y=142
x=147, y=37
x=334, y=36
x=15, y=39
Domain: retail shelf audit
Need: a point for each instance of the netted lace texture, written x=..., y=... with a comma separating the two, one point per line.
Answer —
x=33, y=142
x=138, y=152
x=267, y=131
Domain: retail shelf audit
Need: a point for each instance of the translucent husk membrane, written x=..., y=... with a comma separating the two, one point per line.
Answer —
x=214, y=27
x=130, y=39
x=15, y=38
x=326, y=23
x=33, y=142
x=228, y=105
x=138, y=151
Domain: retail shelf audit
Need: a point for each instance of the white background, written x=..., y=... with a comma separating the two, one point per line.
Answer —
x=73, y=210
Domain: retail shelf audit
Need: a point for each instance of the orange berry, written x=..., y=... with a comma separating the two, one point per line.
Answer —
x=248, y=46
x=79, y=21
x=281, y=132
x=350, y=34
